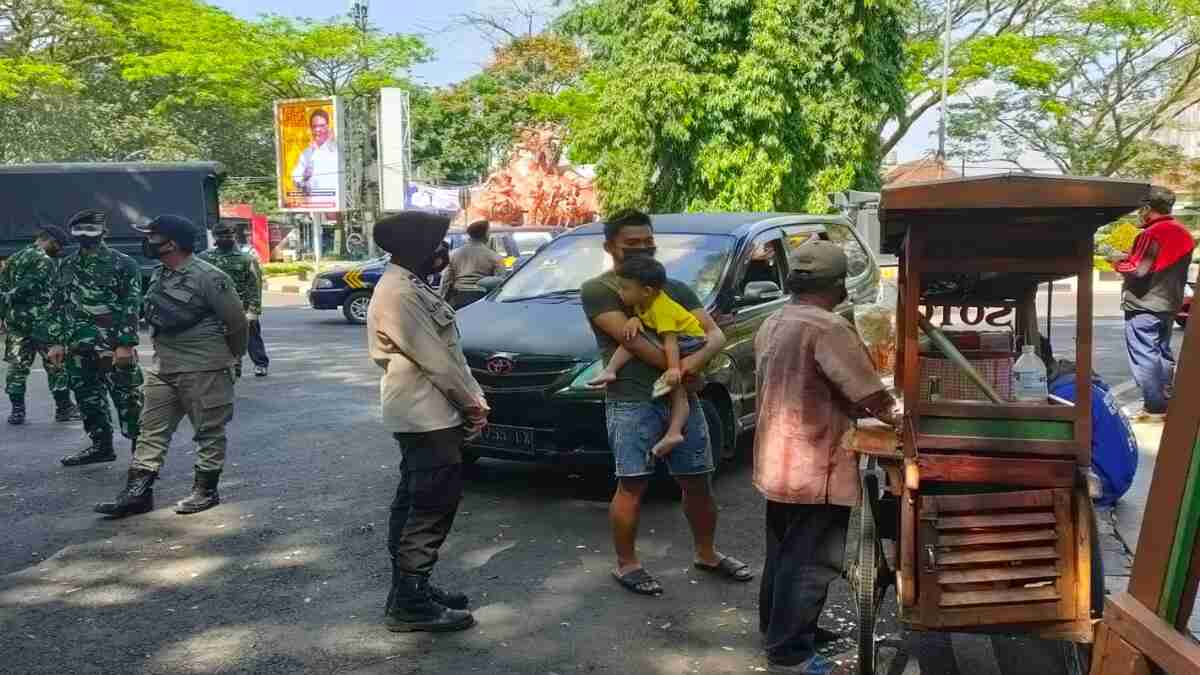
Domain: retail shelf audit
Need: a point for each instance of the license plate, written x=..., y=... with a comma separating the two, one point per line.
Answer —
x=520, y=438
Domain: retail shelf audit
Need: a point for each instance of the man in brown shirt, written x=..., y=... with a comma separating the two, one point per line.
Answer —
x=814, y=377
x=473, y=261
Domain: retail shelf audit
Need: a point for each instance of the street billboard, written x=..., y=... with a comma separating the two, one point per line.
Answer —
x=394, y=146
x=309, y=175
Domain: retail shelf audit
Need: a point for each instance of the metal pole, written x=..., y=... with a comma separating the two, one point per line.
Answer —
x=941, y=154
x=318, y=232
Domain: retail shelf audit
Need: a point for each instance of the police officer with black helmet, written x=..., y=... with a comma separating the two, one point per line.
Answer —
x=199, y=333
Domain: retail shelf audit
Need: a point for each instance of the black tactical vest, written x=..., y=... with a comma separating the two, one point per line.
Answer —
x=175, y=306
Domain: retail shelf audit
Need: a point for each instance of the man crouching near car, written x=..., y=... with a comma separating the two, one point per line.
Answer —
x=431, y=404
x=636, y=421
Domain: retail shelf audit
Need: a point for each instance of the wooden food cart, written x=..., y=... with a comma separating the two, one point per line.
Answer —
x=978, y=507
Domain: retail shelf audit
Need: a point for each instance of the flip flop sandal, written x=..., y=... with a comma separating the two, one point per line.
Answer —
x=636, y=580
x=729, y=567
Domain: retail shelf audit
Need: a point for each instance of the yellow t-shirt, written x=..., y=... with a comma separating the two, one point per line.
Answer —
x=664, y=315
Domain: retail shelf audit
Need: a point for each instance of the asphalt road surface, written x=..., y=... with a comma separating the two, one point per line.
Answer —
x=289, y=574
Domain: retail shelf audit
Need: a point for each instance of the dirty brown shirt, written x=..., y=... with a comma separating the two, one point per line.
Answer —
x=812, y=368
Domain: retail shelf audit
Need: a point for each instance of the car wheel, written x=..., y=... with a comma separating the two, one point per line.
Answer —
x=355, y=306
x=716, y=433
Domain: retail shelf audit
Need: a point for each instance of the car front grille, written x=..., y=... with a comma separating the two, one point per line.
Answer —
x=527, y=373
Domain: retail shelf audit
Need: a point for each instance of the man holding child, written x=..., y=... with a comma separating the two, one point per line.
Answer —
x=642, y=428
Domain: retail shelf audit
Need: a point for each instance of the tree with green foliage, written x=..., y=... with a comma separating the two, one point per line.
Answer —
x=737, y=105
x=1111, y=74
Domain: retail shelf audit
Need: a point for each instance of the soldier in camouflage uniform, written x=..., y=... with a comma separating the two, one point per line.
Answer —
x=94, y=327
x=25, y=296
x=247, y=277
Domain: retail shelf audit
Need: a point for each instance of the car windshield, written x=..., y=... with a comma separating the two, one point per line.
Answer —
x=565, y=263
x=528, y=242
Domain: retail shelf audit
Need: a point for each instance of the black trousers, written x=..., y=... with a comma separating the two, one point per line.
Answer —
x=256, y=348
x=463, y=298
x=427, y=498
x=806, y=550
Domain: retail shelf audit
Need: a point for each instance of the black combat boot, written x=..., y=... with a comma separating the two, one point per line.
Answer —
x=101, y=450
x=204, y=493
x=136, y=497
x=64, y=410
x=17, y=416
x=412, y=608
x=453, y=600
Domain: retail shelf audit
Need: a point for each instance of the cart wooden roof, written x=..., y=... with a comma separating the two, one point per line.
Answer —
x=1018, y=206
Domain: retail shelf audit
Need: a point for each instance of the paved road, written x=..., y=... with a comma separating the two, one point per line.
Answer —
x=289, y=574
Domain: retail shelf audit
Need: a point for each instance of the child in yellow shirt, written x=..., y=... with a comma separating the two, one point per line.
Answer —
x=675, y=329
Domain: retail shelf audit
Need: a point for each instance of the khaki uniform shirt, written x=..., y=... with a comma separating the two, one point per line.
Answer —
x=426, y=380
x=219, y=340
x=470, y=263
x=812, y=367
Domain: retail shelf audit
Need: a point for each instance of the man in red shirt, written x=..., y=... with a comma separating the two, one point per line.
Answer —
x=814, y=378
x=1155, y=274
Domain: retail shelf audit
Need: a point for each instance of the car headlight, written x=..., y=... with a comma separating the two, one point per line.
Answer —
x=580, y=383
x=324, y=283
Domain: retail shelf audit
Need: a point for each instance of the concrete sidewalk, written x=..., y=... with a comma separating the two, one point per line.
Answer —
x=288, y=284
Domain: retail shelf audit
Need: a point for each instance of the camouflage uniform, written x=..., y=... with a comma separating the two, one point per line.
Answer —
x=246, y=274
x=25, y=295
x=97, y=303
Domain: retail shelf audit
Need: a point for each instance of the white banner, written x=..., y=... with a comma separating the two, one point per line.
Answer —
x=430, y=198
x=393, y=150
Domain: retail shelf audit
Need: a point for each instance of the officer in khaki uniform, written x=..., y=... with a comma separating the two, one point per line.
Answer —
x=199, y=333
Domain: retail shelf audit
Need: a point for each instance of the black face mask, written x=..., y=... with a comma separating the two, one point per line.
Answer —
x=152, y=250
x=647, y=252
x=87, y=242
x=225, y=245
x=437, y=261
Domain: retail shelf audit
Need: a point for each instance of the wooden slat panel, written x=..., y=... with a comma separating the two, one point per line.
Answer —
x=1008, y=554
x=995, y=520
x=997, y=470
x=986, y=410
x=1020, y=499
x=1007, y=596
x=1016, y=446
x=1068, y=584
x=997, y=537
x=990, y=615
x=982, y=575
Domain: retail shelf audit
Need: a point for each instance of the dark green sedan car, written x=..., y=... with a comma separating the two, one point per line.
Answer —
x=532, y=349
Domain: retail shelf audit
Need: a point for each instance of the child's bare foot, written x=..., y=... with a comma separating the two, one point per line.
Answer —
x=602, y=380
x=667, y=444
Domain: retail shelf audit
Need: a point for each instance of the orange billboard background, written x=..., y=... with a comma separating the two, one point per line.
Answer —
x=294, y=137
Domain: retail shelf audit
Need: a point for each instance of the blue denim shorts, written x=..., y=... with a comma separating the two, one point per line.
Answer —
x=635, y=426
x=688, y=344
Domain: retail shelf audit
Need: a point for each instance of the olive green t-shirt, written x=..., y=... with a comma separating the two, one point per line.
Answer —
x=635, y=382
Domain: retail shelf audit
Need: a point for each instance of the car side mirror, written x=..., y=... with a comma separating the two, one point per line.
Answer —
x=757, y=292
x=489, y=283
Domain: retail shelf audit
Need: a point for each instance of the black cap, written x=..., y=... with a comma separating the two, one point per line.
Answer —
x=175, y=228
x=411, y=236
x=56, y=233
x=224, y=227
x=87, y=223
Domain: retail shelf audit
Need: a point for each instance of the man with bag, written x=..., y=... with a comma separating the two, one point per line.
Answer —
x=93, y=327
x=199, y=331
x=243, y=268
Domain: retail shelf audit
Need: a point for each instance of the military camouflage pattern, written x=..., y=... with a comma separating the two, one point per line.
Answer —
x=97, y=302
x=243, y=268
x=25, y=295
x=19, y=352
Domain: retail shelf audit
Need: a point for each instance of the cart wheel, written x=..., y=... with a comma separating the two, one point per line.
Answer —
x=866, y=580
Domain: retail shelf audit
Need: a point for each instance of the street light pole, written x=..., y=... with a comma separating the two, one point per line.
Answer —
x=359, y=14
x=941, y=153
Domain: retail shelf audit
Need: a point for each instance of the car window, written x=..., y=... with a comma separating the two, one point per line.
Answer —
x=857, y=259
x=563, y=264
x=766, y=263
x=528, y=242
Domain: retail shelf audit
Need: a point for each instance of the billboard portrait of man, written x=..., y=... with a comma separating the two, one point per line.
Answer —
x=309, y=167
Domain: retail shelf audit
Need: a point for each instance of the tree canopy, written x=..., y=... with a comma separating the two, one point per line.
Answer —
x=733, y=105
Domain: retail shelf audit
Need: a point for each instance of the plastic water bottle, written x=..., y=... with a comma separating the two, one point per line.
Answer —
x=1029, y=376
